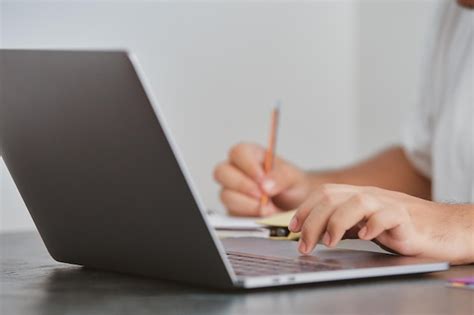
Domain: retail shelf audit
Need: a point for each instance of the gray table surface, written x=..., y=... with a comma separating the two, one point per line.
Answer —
x=31, y=282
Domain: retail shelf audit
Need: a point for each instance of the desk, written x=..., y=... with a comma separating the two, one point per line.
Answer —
x=31, y=282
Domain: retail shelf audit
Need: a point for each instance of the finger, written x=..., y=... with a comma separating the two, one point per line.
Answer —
x=379, y=222
x=249, y=159
x=233, y=179
x=283, y=176
x=322, y=197
x=313, y=228
x=352, y=233
x=303, y=211
x=346, y=216
x=239, y=204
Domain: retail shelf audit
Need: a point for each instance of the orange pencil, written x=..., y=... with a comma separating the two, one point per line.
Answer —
x=269, y=154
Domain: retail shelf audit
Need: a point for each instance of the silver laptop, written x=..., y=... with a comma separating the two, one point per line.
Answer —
x=99, y=172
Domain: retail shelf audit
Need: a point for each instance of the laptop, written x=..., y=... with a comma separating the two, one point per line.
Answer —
x=105, y=184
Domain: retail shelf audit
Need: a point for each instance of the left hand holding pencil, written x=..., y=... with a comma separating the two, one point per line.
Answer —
x=244, y=181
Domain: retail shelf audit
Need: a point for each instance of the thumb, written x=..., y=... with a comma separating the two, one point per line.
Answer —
x=279, y=180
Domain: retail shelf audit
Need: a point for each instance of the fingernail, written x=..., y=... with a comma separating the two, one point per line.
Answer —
x=268, y=185
x=326, y=239
x=363, y=232
x=302, y=246
x=293, y=224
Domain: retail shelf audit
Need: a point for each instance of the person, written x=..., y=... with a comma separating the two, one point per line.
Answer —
x=414, y=199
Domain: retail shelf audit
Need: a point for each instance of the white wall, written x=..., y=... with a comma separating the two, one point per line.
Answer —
x=392, y=38
x=217, y=67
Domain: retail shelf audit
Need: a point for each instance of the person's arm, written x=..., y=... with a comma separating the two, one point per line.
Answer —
x=243, y=180
x=389, y=169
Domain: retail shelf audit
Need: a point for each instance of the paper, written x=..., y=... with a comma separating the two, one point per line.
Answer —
x=262, y=232
x=229, y=226
x=225, y=222
x=280, y=219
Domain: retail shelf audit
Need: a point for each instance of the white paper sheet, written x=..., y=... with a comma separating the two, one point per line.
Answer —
x=225, y=222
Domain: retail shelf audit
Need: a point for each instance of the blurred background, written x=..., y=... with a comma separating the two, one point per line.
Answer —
x=347, y=72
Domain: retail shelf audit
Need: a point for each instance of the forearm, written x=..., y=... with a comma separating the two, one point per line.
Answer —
x=389, y=169
x=458, y=233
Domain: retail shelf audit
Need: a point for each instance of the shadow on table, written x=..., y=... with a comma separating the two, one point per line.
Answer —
x=80, y=290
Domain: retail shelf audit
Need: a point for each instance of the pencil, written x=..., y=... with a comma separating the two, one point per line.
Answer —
x=270, y=152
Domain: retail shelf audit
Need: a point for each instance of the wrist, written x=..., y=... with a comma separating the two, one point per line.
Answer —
x=459, y=232
x=464, y=215
x=316, y=179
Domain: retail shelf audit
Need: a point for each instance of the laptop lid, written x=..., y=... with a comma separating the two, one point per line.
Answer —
x=97, y=169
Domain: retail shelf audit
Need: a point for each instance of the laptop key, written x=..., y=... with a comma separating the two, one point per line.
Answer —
x=254, y=265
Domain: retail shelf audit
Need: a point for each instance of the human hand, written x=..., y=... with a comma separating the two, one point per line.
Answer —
x=398, y=222
x=244, y=181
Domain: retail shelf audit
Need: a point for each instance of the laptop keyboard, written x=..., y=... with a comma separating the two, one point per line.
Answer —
x=255, y=265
